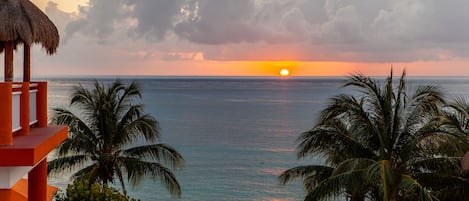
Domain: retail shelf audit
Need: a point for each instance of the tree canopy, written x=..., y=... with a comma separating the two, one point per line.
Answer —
x=110, y=137
x=381, y=143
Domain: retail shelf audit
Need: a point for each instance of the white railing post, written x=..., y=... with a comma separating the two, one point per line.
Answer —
x=16, y=107
x=33, y=104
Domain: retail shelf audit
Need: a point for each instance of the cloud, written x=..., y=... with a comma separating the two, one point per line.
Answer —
x=183, y=56
x=104, y=19
x=310, y=30
x=154, y=18
x=217, y=22
x=58, y=17
x=99, y=20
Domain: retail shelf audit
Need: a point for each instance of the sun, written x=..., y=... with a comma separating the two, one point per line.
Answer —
x=284, y=72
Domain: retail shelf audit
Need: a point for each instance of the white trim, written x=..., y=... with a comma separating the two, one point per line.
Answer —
x=33, y=106
x=16, y=111
x=17, y=129
x=10, y=175
x=16, y=86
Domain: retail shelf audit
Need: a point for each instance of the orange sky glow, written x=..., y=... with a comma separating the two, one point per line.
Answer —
x=271, y=68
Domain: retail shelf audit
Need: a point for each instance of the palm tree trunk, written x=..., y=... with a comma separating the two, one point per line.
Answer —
x=357, y=198
x=392, y=196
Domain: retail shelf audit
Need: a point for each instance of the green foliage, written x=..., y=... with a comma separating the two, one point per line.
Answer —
x=102, y=136
x=84, y=191
x=384, y=143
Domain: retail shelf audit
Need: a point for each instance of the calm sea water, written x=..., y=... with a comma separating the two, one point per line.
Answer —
x=236, y=134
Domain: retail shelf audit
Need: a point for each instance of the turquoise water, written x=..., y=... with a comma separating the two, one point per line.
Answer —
x=236, y=134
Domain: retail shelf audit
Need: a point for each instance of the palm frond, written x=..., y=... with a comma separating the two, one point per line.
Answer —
x=144, y=126
x=134, y=124
x=82, y=98
x=120, y=176
x=339, y=185
x=314, y=173
x=129, y=92
x=442, y=165
x=90, y=173
x=81, y=137
x=335, y=142
x=411, y=188
x=446, y=187
x=157, y=152
x=399, y=110
x=352, y=164
x=62, y=116
x=66, y=163
x=137, y=170
x=365, y=84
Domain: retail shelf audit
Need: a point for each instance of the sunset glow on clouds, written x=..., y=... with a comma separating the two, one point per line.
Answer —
x=254, y=37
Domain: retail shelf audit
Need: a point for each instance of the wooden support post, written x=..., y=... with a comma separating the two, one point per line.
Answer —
x=27, y=63
x=8, y=61
x=24, y=109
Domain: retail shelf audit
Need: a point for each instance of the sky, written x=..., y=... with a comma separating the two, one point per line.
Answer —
x=255, y=37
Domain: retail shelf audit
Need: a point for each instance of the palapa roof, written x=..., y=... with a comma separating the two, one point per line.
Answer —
x=465, y=161
x=23, y=22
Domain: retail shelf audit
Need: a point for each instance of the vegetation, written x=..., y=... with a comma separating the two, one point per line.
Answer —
x=454, y=184
x=385, y=144
x=85, y=191
x=102, y=137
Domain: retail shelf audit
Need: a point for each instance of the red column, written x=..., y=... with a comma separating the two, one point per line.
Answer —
x=6, y=194
x=37, y=182
x=24, y=109
x=41, y=106
x=6, y=115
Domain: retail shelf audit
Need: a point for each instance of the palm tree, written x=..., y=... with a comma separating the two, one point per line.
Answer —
x=377, y=143
x=454, y=181
x=102, y=134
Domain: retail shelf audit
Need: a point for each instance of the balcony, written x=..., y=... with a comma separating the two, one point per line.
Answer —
x=23, y=106
x=25, y=136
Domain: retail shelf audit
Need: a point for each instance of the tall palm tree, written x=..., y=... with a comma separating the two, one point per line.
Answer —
x=102, y=137
x=376, y=143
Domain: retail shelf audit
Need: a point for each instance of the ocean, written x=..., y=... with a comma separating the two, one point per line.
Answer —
x=237, y=134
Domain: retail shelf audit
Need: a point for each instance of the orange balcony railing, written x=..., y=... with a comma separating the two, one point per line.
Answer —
x=22, y=105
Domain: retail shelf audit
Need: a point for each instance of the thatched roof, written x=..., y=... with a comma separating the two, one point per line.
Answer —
x=23, y=22
x=465, y=161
